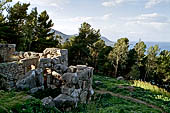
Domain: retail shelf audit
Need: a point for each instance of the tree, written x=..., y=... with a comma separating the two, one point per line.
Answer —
x=30, y=29
x=151, y=62
x=104, y=65
x=5, y=32
x=134, y=74
x=140, y=49
x=16, y=19
x=163, y=68
x=118, y=55
x=80, y=45
x=95, y=50
x=44, y=38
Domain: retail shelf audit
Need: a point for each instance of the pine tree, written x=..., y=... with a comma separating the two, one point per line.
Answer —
x=118, y=55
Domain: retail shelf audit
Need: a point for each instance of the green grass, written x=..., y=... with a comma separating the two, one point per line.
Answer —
x=149, y=86
x=18, y=102
x=125, y=88
x=9, y=100
x=106, y=103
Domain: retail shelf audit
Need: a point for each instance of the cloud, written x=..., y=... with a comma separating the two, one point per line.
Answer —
x=147, y=3
x=46, y=3
x=148, y=18
x=107, y=16
x=112, y=3
x=87, y=18
x=152, y=3
x=79, y=19
x=150, y=22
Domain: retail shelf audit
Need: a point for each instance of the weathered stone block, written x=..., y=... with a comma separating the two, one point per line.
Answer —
x=28, y=82
x=45, y=60
x=67, y=77
x=81, y=67
x=83, y=96
x=83, y=75
x=80, y=83
x=76, y=93
x=73, y=69
x=48, y=101
x=64, y=101
x=55, y=61
x=66, y=90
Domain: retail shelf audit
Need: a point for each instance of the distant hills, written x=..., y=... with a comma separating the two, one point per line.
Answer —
x=63, y=36
x=162, y=45
x=66, y=37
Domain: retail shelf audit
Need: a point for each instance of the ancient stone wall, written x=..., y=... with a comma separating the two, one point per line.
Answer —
x=37, y=71
x=14, y=66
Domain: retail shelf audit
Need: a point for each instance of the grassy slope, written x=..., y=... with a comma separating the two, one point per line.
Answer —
x=20, y=102
x=106, y=103
x=101, y=102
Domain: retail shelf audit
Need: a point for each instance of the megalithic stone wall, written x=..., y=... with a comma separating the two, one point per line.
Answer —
x=37, y=71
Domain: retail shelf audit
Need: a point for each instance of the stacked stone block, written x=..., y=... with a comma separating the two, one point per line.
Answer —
x=50, y=71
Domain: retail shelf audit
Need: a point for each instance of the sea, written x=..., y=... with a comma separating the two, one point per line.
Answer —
x=162, y=45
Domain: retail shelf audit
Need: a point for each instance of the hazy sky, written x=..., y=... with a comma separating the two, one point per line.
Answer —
x=148, y=20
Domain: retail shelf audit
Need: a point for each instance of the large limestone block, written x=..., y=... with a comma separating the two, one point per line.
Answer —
x=61, y=67
x=28, y=82
x=52, y=51
x=45, y=60
x=73, y=69
x=70, y=78
x=83, y=96
x=34, y=90
x=64, y=101
x=39, y=77
x=83, y=75
x=55, y=61
x=48, y=101
x=76, y=93
x=66, y=90
x=32, y=79
x=45, y=63
x=81, y=67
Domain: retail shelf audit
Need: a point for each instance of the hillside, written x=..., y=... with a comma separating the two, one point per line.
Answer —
x=111, y=96
x=66, y=37
x=118, y=96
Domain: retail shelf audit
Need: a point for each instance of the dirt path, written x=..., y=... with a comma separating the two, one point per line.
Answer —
x=129, y=98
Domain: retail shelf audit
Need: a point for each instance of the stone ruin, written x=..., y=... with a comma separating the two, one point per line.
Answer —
x=38, y=71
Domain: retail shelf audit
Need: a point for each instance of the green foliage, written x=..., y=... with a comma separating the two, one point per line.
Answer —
x=104, y=103
x=148, y=86
x=134, y=74
x=94, y=52
x=20, y=102
x=140, y=49
x=151, y=62
x=44, y=37
x=152, y=95
x=163, y=73
x=104, y=65
x=118, y=55
x=29, y=31
x=9, y=100
x=79, y=46
x=34, y=106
